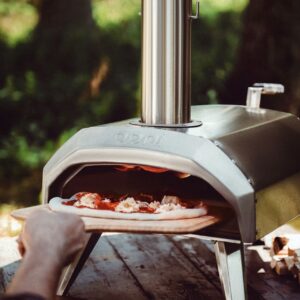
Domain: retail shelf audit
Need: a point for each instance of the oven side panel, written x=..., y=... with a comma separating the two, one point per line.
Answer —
x=267, y=153
x=277, y=204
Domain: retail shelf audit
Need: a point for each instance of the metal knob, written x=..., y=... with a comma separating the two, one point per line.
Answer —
x=254, y=93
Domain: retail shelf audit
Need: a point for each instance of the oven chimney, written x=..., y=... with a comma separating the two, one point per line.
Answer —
x=166, y=62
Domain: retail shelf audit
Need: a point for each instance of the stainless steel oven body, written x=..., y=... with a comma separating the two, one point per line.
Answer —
x=250, y=158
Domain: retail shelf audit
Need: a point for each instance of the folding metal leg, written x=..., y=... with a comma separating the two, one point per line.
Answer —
x=71, y=272
x=230, y=260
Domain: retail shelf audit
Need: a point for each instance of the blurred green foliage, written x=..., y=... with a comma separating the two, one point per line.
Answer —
x=17, y=20
x=64, y=67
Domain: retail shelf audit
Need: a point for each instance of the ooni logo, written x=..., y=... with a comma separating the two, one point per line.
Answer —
x=136, y=139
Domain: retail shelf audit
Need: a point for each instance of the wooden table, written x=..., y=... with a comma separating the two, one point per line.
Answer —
x=135, y=266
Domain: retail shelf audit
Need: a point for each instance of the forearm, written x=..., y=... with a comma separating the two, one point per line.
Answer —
x=38, y=275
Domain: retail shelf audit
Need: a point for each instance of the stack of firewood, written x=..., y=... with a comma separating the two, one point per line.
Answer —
x=285, y=253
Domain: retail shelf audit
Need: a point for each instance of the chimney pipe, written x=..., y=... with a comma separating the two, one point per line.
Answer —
x=166, y=62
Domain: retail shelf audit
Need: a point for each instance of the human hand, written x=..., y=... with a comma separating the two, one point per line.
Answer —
x=48, y=242
x=57, y=237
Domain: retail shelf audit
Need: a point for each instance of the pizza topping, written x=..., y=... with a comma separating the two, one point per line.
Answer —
x=70, y=202
x=88, y=200
x=106, y=205
x=168, y=207
x=128, y=206
x=170, y=200
x=154, y=205
x=142, y=204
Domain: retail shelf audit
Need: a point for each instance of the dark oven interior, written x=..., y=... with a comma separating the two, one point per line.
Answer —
x=119, y=180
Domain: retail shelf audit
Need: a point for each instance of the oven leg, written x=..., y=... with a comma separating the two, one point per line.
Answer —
x=71, y=272
x=230, y=260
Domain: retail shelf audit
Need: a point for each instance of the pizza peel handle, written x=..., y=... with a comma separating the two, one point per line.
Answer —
x=22, y=214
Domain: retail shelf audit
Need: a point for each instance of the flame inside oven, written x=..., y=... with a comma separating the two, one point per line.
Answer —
x=126, y=167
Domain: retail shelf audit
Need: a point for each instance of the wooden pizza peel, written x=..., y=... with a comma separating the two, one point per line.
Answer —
x=99, y=225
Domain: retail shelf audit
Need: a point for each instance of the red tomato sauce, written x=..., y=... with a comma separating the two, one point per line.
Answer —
x=69, y=203
x=106, y=205
x=99, y=205
x=146, y=210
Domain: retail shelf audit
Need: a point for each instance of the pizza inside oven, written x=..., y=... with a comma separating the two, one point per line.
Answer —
x=142, y=203
x=139, y=206
x=165, y=194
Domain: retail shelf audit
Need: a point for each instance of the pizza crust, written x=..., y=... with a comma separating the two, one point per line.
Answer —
x=55, y=204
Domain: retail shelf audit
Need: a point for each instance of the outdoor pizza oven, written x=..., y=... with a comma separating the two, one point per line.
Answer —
x=245, y=160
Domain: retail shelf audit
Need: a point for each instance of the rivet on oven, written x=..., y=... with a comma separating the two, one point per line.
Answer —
x=250, y=180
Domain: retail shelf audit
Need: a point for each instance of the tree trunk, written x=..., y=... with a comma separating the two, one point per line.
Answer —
x=62, y=55
x=63, y=14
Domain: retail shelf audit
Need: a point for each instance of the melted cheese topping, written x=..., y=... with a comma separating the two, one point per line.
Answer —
x=170, y=200
x=87, y=200
x=154, y=205
x=168, y=207
x=128, y=205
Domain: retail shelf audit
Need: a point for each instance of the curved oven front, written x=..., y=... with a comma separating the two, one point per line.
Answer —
x=119, y=180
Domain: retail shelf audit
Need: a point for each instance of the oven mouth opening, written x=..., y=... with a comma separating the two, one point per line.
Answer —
x=119, y=180
x=125, y=178
x=122, y=179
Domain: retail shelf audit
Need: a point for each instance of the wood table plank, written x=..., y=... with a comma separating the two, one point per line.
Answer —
x=105, y=276
x=161, y=269
x=200, y=255
x=131, y=266
x=262, y=281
